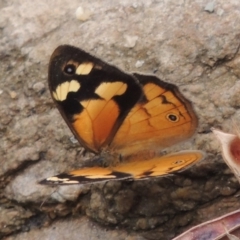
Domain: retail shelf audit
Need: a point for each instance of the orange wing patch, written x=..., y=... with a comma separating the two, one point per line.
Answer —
x=95, y=123
x=162, y=120
x=88, y=121
x=159, y=166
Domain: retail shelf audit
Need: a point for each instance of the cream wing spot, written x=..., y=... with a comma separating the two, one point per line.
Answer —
x=74, y=86
x=63, y=89
x=107, y=90
x=58, y=92
x=55, y=96
x=84, y=68
x=122, y=89
x=72, y=182
x=62, y=180
x=56, y=179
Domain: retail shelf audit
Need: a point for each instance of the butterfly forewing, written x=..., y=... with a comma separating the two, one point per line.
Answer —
x=93, y=97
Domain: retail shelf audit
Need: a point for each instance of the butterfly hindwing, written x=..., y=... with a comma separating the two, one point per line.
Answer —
x=162, y=118
x=155, y=167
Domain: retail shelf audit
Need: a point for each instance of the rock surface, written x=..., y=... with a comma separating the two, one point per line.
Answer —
x=193, y=44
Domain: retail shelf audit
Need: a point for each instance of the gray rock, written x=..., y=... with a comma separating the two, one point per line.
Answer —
x=184, y=45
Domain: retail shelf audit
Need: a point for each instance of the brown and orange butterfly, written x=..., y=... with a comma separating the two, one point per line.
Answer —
x=124, y=118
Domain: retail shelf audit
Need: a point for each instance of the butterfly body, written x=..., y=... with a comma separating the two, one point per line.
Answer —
x=122, y=117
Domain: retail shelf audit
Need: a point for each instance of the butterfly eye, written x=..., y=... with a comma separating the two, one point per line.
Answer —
x=69, y=69
x=172, y=117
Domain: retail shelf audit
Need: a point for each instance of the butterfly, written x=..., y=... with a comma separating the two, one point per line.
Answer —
x=230, y=144
x=124, y=118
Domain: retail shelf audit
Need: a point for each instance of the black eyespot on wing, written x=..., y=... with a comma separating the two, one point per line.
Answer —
x=69, y=69
x=178, y=162
x=172, y=117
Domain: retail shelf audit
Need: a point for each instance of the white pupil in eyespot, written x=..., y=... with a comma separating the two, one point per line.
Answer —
x=172, y=117
x=69, y=69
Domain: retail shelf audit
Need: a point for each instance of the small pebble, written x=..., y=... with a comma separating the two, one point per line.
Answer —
x=81, y=14
x=209, y=7
x=38, y=87
x=130, y=41
x=139, y=63
x=73, y=139
x=12, y=94
x=220, y=12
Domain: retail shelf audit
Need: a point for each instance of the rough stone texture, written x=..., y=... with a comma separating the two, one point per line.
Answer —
x=80, y=229
x=183, y=42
